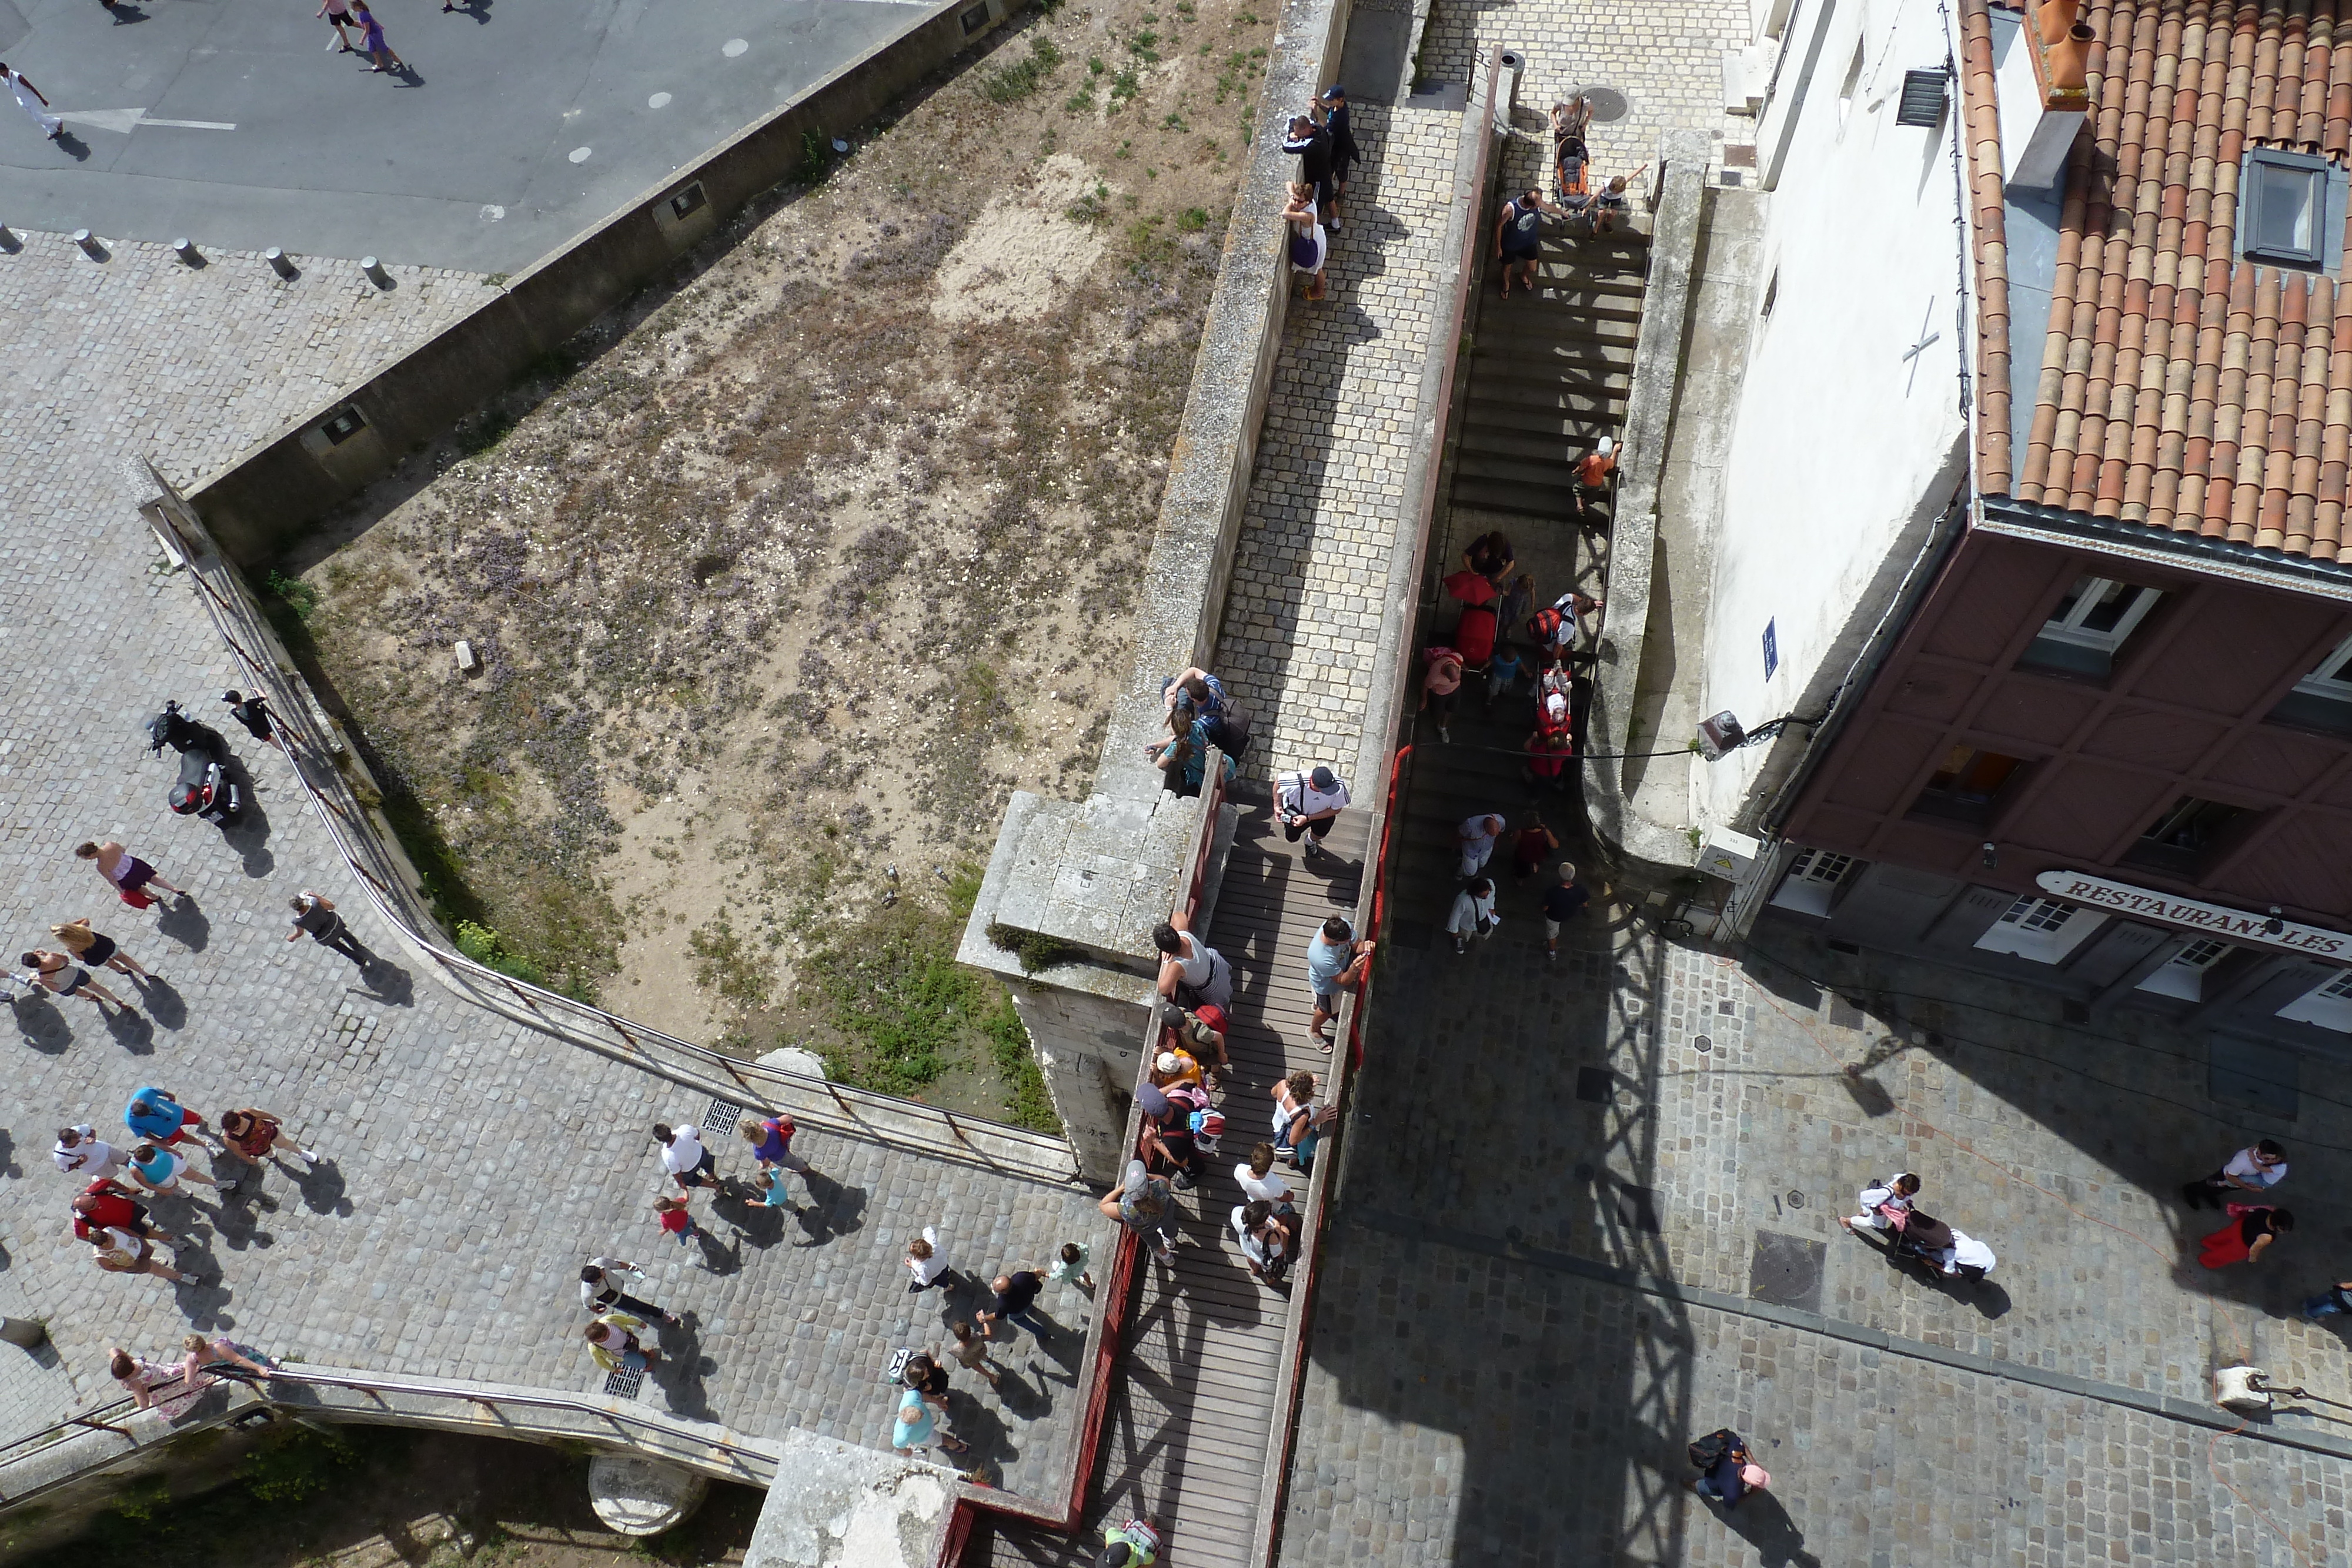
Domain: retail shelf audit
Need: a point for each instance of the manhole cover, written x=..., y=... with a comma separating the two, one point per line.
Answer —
x=1700, y=1043
x=1786, y=1271
x=1796, y=1198
x=1607, y=103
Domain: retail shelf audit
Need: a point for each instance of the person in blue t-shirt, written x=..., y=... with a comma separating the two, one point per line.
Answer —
x=1563, y=901
x=153, y=1113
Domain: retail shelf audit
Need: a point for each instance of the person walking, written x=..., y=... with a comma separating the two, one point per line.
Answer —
x=1146, y=1205
x=971, y=1349
x=198, y=1352
x=2255, y=1169
x=600, y=1291
x=371, y=38
x=675, y=1217
x=82, y=1151
x=1883, y=1204
x=1439, y=683
x=612, y=1343
x=1531, y=847
x=771, y=1138
x=1016, y=1302
x=253, y=713
x=159, y=1170
x=32, y=100
x=1594, y=473
x=1563, y=901
x=97, y=949
x=155, y=1115
x=338, y=14
x=314, y=916
x=1070, y=1267
x=251, y=1135
x=118, y=1251
x=1191, y=971
x=1336, y=962
x=1518, y=236
x=1473, y=914
x=1727, y=1470
x=107, y=1205
x=2251, y=1228
x=927, y=1260
x=917, y=1427
x=1474, y=840
x=126, y=872
x=57, y=973
x=683, y=1156
x=1308, y=804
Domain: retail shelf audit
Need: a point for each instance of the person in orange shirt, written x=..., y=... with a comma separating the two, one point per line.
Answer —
x=1594, y=473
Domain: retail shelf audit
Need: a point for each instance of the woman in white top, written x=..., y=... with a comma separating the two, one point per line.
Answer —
x=927, y=1260
x=1294, y=1118
x=1309, y=246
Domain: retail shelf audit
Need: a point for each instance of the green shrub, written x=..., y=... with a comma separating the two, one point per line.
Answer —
x=1036, y=951
x=294, y=1462
x=296, y=594
x=487, y=948
x=1017, y=82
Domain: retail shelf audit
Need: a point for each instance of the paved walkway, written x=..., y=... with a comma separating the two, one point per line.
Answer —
x=473, y=1162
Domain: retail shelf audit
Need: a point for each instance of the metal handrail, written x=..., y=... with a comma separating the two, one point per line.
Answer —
x=386, y=886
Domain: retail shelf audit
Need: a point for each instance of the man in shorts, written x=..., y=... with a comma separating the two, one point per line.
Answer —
x=1563, y=901
x=1336, y=962
x=1518, y=236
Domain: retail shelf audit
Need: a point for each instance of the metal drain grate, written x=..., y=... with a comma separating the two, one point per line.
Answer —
x=623, y=1383
x=720, y=1119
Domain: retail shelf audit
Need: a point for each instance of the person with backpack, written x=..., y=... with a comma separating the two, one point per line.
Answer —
x=1202, y=1033
x=1265, y=1240
x=1132, y=1544
x=1297, y=1120
x=1308, y=803
x=1167, y=1137
x=1594, y=472
x=1727, y=1471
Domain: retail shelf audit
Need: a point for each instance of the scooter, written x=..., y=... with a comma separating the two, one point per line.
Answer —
x=205, y=789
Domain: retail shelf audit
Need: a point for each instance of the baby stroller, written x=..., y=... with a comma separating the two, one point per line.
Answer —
x=1571, y=176
x=1924, y=1240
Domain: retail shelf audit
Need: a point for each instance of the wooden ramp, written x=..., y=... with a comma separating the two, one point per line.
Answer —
x=1189, y=1422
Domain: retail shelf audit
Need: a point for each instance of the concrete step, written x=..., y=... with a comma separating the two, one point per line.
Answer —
x=1515, y=500
x=1503, y=373
x=1575, y=416
x=1561, y=444
x=1544, y=473
x=1559, y=304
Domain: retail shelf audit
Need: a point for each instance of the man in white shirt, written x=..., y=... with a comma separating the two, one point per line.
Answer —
x=1263, y=1183
x=684, y=1158
x=1309, y=803
x=2255, y=1169
x=1881, y=1200
x=1476, y=838
x=82, y=1151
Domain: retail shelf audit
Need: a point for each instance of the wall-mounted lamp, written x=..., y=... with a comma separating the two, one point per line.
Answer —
x=2275, y=924
x=1992, y=856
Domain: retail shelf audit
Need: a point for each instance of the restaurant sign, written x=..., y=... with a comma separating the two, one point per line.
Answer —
x=2237, y=925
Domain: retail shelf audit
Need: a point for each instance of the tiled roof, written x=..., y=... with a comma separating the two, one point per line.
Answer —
x=2179, y=387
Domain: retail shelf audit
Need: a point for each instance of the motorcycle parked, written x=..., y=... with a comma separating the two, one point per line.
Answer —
x=205, y=789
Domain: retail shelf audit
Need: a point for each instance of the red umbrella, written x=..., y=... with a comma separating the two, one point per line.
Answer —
x=1470, y=588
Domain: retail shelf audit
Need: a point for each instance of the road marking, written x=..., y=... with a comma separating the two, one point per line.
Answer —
x=579, y=154
x=734, y=47
x=659, y=100
x=123, y=121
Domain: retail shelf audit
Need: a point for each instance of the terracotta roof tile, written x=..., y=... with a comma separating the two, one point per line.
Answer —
x=2179, y=387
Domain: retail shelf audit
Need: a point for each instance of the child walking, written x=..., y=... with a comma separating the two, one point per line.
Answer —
x=1070, y=1267
x=973, y=1351
x=677, y=1220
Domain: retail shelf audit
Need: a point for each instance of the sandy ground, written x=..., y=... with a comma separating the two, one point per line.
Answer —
x=785, y=576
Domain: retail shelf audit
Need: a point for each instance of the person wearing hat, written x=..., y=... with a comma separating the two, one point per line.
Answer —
x=1167, y=1139
x=1309, y=803
x=1171, y=1068
x=1134, y=1544
x=1202, y=1035
x=1332, y=106
x=1594, y=471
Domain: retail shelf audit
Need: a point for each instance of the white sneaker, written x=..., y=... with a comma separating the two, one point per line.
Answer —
x=310, y=1156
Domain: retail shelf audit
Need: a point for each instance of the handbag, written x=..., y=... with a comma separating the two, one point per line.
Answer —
x=137, y=899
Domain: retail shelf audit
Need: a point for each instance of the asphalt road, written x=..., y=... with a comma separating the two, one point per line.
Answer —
x=518, y=123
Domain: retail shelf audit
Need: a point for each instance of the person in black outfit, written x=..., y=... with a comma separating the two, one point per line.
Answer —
x=253, y=712
x=1345, y=154
x=1312, y=144
x=1016, y=1298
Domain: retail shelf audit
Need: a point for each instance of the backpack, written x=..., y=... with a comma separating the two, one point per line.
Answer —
x=137, y=899
x=1543, y=626
x=1228, y=731
x=895, y=1373
x=1707, y=1452
x=1208, y=1127
x=782, y=1123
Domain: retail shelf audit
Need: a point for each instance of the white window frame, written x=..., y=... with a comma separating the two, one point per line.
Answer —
x=2327, y=1004
x=2184, y=976
x=1810, y=883
x=2336, y=688
x=2041, y=930
x=2089, y=593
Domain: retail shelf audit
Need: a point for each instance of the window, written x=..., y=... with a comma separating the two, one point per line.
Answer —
x=342, y=426
x=2286, y=202
x=1811, y=884
x=2179, y=840
x=2042, y=929
x=1965, y=783
x=2091, y=622
x=2329, y=1004
x=2321, y=699
x=2184, y=976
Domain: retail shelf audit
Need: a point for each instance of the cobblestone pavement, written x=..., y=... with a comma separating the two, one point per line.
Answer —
x=472, y=1164
x=1519, y=1122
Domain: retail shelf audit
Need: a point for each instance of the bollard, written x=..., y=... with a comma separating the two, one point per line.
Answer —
x=277, y=259
x=187, y=250
x=27, y=1334
x=90, y=245
x=375, y=272
x=8, y=240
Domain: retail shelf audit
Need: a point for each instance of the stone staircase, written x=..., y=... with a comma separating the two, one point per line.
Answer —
x=1548, y=376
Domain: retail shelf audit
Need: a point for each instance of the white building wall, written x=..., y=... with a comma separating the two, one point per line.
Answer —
x=1844, y=451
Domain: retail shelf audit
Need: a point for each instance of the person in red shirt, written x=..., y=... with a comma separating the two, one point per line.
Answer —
x=104, y=1205
x=1548, y=754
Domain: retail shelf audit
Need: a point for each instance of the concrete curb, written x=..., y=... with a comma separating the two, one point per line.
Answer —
x=1650, y=847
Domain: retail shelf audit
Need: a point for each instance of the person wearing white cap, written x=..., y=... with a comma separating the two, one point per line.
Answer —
x=1594, y=472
